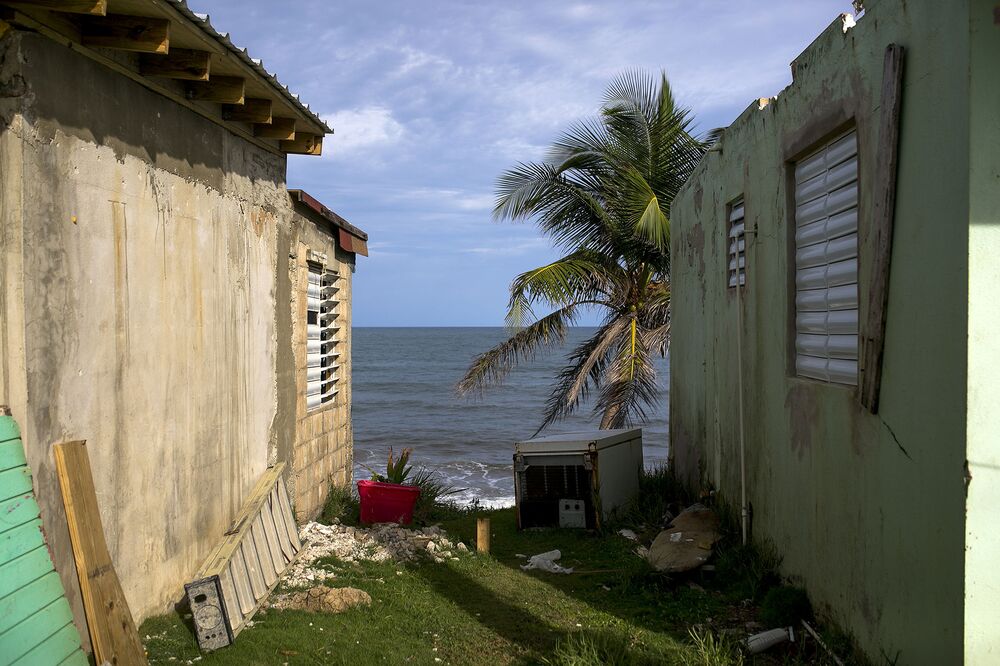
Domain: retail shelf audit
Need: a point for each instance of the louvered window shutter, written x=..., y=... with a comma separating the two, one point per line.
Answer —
x=322, y=337
x=826, y=263
x=737, y=267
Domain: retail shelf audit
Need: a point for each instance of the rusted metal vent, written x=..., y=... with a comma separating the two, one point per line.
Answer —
x=245, y=567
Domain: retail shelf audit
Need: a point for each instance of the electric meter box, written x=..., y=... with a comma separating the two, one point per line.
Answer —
x=576, y=479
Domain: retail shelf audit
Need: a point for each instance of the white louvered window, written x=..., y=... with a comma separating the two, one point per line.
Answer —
x=322, y=333
x=826, y=263
x=737, y=266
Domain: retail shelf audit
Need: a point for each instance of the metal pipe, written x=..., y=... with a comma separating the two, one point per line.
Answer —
x=740, y=279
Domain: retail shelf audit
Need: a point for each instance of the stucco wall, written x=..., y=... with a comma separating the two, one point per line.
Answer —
x=323, y=452
x=146, y=308
x=865, y=510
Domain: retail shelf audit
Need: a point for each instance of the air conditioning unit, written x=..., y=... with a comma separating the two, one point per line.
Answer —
x=575, y=479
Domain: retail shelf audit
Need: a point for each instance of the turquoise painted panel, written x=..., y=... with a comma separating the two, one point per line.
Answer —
x=23, y=637
x=78, y=658
x=8, y=429
x=27, y=600
x=18, y=541
x=53, y=649
x=15, y=482
x=22, y=570
x=11, y=455
x=16, y=511
x=36, y=624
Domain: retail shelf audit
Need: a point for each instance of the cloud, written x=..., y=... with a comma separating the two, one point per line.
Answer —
x=363, y=128
x=509, y=249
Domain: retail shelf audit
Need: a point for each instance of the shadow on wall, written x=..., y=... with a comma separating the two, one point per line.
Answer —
x=130, y=119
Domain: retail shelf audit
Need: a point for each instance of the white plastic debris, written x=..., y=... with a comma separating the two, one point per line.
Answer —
x=768, y=639
x=629, y=534
x=547, y=562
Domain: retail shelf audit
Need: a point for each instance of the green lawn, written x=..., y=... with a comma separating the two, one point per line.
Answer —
x=486, y=610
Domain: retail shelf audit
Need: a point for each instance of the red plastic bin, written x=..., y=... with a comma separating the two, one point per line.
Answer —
x=387, y=502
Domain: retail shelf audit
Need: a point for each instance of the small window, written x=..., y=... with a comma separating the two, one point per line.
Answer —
x=322, y=337
x=826, y=263
x=737, y=266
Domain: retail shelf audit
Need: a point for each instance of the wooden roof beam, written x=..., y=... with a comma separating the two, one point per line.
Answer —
x=279, y=128
x=303, y=144
x=184, y=64
x=253, y=110
x=95, y=7
x=127, y=33
x=225, y=89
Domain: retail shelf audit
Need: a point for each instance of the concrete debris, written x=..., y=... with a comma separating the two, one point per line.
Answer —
x=379, y=543
x=322, y=599
x=547, y=562
x=688, y=543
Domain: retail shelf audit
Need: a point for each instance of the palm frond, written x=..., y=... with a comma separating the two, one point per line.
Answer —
x=492, y=367
x=628, y=385
x=582, y=372
x=583, y=276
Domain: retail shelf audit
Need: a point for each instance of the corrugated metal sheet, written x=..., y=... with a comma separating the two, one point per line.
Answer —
x=826, y=263
x=245, y=567
x=36, y=624
x=737, y=245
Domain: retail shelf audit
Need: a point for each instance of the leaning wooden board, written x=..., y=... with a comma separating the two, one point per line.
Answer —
x=36, y=624
x=112, y=631
x=245, y=566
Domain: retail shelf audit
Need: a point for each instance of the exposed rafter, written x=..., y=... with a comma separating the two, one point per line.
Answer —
x=185, y=64
x=127, y=33
x=303, y=144
x=225, y=89
x=96, y=7
x=253, y=110
x=279, y=128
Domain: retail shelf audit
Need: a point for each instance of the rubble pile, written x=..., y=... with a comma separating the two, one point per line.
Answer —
x=378, y=543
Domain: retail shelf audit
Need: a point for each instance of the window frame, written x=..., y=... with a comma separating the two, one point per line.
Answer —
x=324, y=328
x=736, y=276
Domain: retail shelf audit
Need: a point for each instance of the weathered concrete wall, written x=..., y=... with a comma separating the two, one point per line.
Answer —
x=866, y=511
x=982, y=541
x=324, y=441
x=146, y=308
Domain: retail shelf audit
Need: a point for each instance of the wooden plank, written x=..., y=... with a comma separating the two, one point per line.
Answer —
x=56, y=648
x=280, y=523
x=112, y=629
x=883, y=211
x=21, y=638
x=279, y=128
x=77, y=658
x=254, y=574
x=271, y=534
x=12, y=455
x=16, y=511
x=95, y=7
x=227, y=89
x=286, y=510
x=303, y=144
x=268, y=568
x=28, y=600
x=25, y=568
x=241, y=580
x=127, y=33
x=253, y=110
x=14, y=482
x=18, y=541
x=230, y=598
x=8, y=426
x=186, y=64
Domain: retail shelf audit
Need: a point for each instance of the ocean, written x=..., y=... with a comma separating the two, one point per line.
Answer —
x=404, y=396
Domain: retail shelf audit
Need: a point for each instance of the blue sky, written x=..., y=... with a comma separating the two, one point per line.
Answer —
x=431, y=101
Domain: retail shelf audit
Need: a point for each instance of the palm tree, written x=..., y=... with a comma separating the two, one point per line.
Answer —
x=603, y=196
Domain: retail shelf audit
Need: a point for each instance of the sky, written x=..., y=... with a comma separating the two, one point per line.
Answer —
x=430, y=101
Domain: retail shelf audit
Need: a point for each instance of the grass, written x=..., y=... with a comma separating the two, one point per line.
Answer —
x=485, y=610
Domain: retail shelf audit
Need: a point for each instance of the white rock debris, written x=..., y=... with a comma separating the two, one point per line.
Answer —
x=378, y=543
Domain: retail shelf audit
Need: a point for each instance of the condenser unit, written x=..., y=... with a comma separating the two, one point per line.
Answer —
x=575, y=479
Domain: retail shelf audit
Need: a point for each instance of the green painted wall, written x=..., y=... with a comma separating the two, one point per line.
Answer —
x=866, y=510
x=982, y=540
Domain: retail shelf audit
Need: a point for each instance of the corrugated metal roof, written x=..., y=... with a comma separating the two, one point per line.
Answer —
x=203, y=22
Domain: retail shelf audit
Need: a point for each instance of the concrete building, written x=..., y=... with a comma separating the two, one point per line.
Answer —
x=835, y=269
x=162, y=294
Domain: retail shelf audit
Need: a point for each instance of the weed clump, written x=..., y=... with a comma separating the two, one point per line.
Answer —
x=784, y=606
